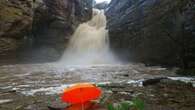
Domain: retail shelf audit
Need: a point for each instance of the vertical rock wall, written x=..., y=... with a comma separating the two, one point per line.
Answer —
x=54, y=22
x=15, y=25
x=38, y=30
x=153, y=31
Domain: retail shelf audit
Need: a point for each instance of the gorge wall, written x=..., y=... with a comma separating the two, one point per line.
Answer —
x=159, y=32
x=37, y=30
x=15, y=24
x=54, y=23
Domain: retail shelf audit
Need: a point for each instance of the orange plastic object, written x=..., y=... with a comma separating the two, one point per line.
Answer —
x=81, y=93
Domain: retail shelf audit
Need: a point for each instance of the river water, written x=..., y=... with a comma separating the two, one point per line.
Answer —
x=29, y=79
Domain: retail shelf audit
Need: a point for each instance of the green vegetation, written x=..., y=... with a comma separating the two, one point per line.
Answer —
x=135, y=104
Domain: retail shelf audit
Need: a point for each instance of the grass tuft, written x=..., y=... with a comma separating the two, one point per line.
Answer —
x=135, y=104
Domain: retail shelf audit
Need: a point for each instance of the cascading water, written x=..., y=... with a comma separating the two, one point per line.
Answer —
x=90, y=43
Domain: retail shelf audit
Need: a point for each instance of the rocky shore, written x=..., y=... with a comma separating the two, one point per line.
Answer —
x=38, y=86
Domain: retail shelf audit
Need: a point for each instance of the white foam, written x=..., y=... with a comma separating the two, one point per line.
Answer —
x=89, y=44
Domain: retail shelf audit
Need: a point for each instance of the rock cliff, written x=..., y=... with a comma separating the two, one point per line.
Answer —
x=38, y=30
x=153, y=31
x=15, y=25
x=54, y=22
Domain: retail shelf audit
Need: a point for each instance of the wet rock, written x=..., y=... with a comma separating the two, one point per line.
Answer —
x=20, y=107
x=126, y=75
x=150, y=31
x=31, y=28
x=43, y=54
x=113, y=85
x=54, y=22
x=57, y=105
x=153, y=81
x=101, y=6
x=5, y=101
x=52, y=108
x=85, y=106
x=8, y=91
x=15, y=24
x=175, y=83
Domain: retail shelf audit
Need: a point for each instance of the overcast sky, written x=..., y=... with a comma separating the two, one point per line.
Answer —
x=98, y=1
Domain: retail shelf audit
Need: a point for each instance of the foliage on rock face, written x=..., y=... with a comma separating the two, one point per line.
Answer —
x=135, y=104
x=154, y=32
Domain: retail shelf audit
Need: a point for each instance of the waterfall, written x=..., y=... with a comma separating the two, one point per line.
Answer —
x=89, y=43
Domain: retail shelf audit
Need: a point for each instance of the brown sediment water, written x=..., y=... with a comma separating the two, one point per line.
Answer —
x=89, y=43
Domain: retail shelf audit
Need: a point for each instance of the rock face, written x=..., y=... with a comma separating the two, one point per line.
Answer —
x=153, y=31
x=102, y=5
x=54, y=22
x=38, y=30
x=15, y=25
